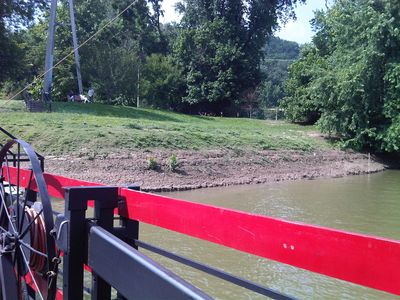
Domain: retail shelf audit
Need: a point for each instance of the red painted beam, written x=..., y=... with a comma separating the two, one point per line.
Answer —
x=369, y=261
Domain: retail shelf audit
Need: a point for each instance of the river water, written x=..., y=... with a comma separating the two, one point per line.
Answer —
x=367, y=204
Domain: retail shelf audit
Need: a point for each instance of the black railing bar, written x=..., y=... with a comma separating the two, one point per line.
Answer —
x=13, y=155
x=7, y=133
x=86, y=289
x=216, y=272
x=12, y=159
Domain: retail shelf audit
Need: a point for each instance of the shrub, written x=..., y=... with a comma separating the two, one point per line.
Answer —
x=173, y=163
x=152, y=163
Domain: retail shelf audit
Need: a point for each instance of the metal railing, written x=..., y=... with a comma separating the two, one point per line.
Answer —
x=12, y=157
x=365, y=260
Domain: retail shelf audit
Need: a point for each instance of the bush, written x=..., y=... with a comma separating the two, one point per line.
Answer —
x=152, y=164
x=173, y=163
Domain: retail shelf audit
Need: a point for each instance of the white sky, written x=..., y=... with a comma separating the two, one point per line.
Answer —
x=298, y=31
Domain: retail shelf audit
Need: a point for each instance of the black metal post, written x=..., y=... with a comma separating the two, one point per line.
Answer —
x=31, y=196
x=104, y=216
x=76, y=199
x=75, y=212
x=9, y=285
x=130, y=231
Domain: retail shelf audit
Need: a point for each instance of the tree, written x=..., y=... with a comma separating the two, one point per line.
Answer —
x=302, y=103
x=13, y=15
x=210, y=59
x=351, y=78
x=162, y=82
x=221, y=45
x=17, y=13
x=112, y=61
x=109, y=61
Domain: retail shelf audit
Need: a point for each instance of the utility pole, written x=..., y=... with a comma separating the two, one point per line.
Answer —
x=48, y=78
x=138, y=86
x=140, y=60
x=50, y=51
x=75, y=45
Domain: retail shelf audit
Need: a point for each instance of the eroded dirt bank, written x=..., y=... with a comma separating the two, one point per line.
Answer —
x=200, y=169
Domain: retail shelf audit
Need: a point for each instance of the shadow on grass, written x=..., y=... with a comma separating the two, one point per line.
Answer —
x=113, y=111
x=205, y=118
x=332, y=140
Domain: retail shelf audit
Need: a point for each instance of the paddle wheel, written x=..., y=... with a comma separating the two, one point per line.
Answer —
x=29, y=259
x=34, y=240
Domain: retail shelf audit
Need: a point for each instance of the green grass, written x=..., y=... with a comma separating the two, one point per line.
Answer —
x=75, y=128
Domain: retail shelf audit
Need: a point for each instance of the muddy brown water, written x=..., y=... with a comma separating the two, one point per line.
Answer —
x=368, y=204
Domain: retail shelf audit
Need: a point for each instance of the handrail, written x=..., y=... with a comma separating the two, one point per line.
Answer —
x=270, y=293
x=365, y=260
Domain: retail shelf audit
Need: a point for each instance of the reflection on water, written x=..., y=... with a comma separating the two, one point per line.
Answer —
x=366, y=204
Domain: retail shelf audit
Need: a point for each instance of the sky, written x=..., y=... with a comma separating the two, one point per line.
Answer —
x=298, y=31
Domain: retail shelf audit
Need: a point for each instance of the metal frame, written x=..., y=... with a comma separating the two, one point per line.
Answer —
x=140, y=278
x=365, y=260
x=15, y=265
x=12, y=157
x=334, y=253
x=113, y=262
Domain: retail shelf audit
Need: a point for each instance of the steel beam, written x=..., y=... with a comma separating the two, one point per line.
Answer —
x=75, y=45
x=50, y=49
x=132, y=273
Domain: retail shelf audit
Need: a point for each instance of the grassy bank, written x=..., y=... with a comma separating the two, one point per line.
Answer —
x=80, y=129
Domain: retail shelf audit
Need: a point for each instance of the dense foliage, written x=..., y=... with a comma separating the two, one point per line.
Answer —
x=220, y=48
x=209, y=62
x=13, y=15
x=349, y=77
x=111, y=62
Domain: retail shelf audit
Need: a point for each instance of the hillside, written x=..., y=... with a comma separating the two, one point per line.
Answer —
x=125, y=145
x=279, y=49
x=278, y=55
x=75, y=128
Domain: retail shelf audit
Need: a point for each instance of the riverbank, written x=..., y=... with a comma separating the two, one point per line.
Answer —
x=116, y=144
x=212, y=168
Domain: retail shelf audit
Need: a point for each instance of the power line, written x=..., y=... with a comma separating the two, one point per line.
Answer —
x=72, y=52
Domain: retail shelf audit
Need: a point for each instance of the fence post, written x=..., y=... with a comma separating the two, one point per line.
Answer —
x=131, y=232
x=104, y=216
x=74, y=258
x=76, y=202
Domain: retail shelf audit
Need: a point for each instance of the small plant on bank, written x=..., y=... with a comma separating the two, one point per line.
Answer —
x=152, y=163
x=173, y=163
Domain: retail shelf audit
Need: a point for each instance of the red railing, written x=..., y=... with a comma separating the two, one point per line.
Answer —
x=365, y=260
